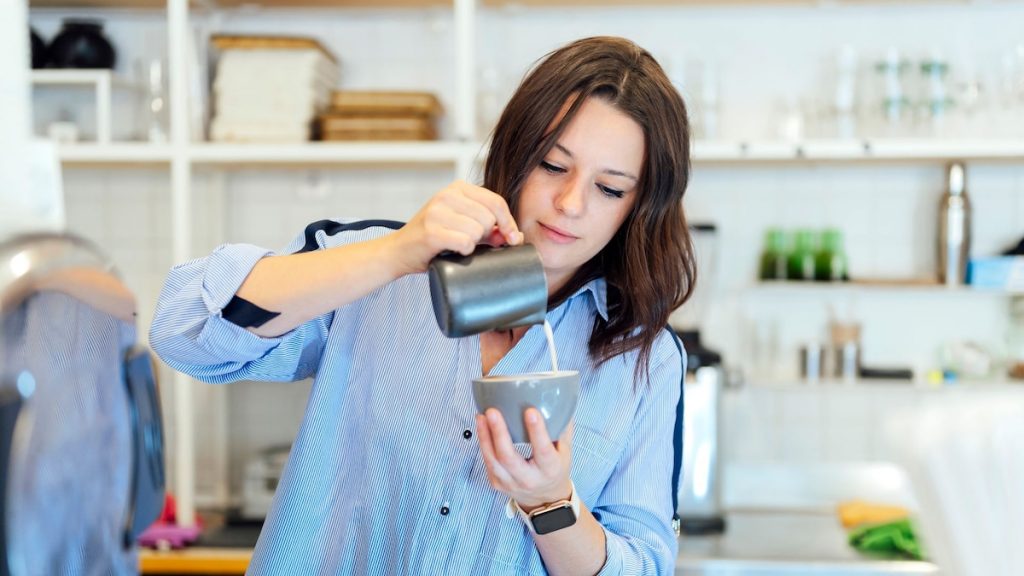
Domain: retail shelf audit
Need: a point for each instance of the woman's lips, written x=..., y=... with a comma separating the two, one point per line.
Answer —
x=556, y=235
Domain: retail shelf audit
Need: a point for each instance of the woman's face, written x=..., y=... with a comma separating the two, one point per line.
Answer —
x=577, y=198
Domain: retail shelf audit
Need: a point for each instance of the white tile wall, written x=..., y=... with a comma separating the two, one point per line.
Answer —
x=800, y=425
x=886, y=211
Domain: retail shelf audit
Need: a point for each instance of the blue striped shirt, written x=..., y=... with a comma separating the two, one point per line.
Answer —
x=382, y=477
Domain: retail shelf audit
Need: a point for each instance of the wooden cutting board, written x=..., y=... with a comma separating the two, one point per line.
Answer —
x=385, y=103
x=245, y=42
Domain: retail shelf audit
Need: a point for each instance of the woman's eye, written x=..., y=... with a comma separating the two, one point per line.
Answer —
x=552, y=168
x=611, y=191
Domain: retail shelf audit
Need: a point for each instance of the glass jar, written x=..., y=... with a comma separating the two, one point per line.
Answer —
x=773, y=257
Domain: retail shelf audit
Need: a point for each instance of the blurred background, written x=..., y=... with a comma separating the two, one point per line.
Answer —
x=857, y=200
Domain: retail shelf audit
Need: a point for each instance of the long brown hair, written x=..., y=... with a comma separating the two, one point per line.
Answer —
x=648, y=265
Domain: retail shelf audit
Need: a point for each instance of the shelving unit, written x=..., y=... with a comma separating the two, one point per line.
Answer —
x=181, y=156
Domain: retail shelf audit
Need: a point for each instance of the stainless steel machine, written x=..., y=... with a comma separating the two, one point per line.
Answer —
x=700, y=499
x=81, y=437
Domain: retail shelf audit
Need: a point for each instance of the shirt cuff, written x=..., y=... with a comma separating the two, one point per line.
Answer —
x=226, y=270
x=233, y=343
x=613, y=552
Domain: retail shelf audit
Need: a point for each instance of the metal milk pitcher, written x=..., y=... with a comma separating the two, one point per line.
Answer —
x=491, y=289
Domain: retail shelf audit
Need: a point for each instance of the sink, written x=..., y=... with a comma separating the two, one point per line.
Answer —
x=783, y=543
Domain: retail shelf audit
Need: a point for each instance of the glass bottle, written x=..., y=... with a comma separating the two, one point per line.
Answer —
x=801, y=259
x=773, y=257
x=891, y=72
x=830, y=263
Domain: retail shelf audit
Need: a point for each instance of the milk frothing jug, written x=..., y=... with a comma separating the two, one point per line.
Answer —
x=491, y=289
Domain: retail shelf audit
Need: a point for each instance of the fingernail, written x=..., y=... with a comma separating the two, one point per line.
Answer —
x=531, y=416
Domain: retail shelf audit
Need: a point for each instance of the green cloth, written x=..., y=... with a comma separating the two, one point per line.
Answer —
x=890, y=540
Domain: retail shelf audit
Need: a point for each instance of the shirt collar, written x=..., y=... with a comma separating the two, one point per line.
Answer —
x=598, y=291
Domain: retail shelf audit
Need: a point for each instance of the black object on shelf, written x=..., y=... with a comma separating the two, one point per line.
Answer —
x=1017, y=250
x=39, y=51
x=81, y=44
x=886, y=373
x=702, y=526
x=696, y=354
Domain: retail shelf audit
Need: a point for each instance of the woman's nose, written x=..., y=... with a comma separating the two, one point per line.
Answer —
x=571, y=200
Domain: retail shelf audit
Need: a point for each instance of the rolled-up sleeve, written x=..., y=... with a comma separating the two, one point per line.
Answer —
x=635, y=507
x=190, y=334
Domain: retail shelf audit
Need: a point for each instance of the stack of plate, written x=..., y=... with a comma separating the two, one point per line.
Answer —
x=270, y=89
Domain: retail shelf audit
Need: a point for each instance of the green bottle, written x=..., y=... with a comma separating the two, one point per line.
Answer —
x=830, y=264
x=801, y=259
x=773, y=257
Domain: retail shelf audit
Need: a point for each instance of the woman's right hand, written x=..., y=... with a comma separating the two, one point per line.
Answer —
x=457, y=218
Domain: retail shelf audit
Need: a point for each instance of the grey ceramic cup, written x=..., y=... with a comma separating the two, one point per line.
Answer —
x=491, y=289
x=553, y=394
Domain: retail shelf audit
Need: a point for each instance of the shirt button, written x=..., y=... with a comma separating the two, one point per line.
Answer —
x=467, y=434
x=444, y=510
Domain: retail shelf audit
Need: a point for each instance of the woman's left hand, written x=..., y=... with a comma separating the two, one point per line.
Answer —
x=542, y=479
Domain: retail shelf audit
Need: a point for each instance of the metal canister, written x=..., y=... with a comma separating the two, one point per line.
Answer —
x=954, y=241
x=491, y=289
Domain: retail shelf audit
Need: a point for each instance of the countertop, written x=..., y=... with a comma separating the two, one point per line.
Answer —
x=755, y=543
x=199, y=560
x=774, y=542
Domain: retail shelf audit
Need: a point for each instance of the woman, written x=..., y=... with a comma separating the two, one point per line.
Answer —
x=392, y=471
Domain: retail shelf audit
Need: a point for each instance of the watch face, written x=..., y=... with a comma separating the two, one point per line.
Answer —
x=554, y=520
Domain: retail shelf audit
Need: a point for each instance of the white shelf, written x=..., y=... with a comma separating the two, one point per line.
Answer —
x=331, y=153
x=870, y=150
x=70, y=76
x=114, y=154
x=826, y=289
x=432, y=153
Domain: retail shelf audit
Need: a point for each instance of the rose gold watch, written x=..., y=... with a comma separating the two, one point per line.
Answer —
x=551, y=517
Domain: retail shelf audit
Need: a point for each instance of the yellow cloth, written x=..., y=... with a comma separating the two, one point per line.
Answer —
x=857, y=512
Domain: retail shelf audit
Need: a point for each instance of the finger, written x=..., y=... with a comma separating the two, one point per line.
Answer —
x=497, y=205
x=468, y=206
x=564, y=444
x=447, y=239
x=497, y=474
x=545, y=456
x=506, y=453
x=457, y=231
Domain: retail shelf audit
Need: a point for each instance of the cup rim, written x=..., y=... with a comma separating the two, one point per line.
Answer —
x=542, y=375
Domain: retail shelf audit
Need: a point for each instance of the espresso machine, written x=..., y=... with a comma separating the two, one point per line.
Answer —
x=700, y=499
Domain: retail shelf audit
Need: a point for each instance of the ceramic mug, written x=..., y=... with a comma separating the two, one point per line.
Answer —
x=553, y=394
